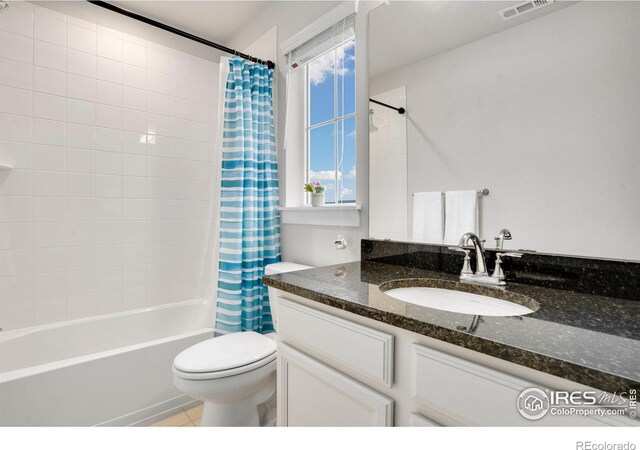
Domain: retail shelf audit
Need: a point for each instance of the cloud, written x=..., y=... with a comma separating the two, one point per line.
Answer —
x=352, y=172
x=323, y=66
x=346, y=191
x=324, y=175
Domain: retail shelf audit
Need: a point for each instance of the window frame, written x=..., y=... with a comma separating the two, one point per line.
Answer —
x=335, y=121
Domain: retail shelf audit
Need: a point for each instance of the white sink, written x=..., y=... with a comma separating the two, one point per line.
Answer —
x=457, y=301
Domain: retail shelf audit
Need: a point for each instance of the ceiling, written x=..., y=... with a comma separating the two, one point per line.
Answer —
x=404, y=32
x=216, y=21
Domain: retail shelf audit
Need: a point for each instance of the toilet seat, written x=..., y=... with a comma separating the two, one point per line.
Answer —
x=225, y=356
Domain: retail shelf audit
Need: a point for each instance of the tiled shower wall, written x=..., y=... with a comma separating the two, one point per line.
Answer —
x=111, y=139
x=388, y=167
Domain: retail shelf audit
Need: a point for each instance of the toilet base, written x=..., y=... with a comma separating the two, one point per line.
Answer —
x=239, y=414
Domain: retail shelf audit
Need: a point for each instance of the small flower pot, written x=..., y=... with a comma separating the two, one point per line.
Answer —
x=317, y=199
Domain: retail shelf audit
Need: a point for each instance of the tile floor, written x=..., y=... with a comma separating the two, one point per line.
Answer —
x=187, y=417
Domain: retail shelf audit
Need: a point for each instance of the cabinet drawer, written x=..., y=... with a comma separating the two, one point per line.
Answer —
x=341, y=343
x=477, y=395
x=313, y=394
x=418, y=420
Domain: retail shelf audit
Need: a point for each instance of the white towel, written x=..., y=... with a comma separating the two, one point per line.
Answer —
x=428, y=215
x=461, y=215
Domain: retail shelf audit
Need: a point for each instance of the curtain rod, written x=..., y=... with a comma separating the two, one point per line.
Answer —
x=181, y=33
x=400, y=110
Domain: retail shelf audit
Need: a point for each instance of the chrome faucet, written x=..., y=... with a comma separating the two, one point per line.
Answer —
x=504, y=235
x=481, y=276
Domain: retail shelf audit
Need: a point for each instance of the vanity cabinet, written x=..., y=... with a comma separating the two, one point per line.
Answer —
x=340, y=369
x=311, y=393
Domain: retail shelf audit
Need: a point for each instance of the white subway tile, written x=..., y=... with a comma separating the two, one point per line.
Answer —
x=81, y=23
x=109, y=117
x=16, y=101
x=109, y=93
x=158, y=125
x=134, y=98
x=158, y=82
x=15, y=236
x=15, y=46
x=134, y=121
x=40, y=10
x=109, y=163
x=135, y=54
x=81, y=234
x=201, y=93
x=109, y=301
x=108, y=256
x=134, y=165
x=109, y=46
x=134, y=76
x=17, y=315
x=108, y=232
x=16, y=262
x=46, y=157
x=49, y=234
x=50, y=311
x=15, y=73
x=48, y=132
x=134, y=40
x=80, y=209
x=16, y=289
x=108, y=209
x=81, y=88
x=49, y=29
x=179, y=108
x=82, y=305
x=180, y=87
x=199, y=112
x=16, y=128
x=17, y=183
x=79, y=185
x=48, y=209
x=180, y=65
x=46, y=106
x=49, y=184
x=16, y=209
x=80, y=63
x=108, y=140
x=134, y=187
x=47, y=260
x=159, y=61
x=133, y=276
x=80, y=136
x=79, y=161
x=81, y=112
x=158, y=103
x=109, y=70
x=80, y=38
x=109, y=32
x=135, y=143
x=50, y=56
x=81, y=282
x=16, y=154
x=108, y=186
x=17, y=20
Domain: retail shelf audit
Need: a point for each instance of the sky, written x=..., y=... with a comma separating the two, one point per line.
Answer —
x=322, y=163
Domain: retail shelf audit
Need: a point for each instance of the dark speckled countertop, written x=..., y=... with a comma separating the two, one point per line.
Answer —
x=589, y=339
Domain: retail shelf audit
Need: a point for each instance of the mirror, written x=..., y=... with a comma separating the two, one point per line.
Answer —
x=542, y=109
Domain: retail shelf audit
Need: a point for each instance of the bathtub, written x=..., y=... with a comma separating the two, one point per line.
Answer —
x=113, y=369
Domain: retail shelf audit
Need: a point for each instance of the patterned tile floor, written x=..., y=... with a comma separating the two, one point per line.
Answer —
x=185, y=418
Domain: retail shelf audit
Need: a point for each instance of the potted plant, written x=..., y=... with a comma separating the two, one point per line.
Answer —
x=317, y=193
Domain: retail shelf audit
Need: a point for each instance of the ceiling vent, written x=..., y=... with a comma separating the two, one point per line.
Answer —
x=523, y=8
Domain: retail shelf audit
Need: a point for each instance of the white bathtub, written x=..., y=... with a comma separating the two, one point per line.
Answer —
x=106, y=370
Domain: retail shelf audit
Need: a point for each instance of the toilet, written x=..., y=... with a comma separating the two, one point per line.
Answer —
x=235, y=374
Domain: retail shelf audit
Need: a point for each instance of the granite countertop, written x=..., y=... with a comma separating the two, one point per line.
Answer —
x=589, y=339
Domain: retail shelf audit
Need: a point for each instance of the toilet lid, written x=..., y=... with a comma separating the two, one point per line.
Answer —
x=225, y=352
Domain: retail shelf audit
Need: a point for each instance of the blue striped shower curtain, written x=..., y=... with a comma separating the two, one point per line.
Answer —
x=249, y=221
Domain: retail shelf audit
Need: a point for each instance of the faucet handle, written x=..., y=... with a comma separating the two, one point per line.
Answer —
x=511, y=254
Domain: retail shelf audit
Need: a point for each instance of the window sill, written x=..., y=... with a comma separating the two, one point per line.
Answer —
x=328, y=215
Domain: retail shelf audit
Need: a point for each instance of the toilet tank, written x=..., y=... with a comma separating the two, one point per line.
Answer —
x=272, y=269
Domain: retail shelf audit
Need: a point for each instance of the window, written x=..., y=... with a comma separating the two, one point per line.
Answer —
x=331, y=123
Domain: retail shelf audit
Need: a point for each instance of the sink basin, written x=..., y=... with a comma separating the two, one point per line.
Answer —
x=459, y=298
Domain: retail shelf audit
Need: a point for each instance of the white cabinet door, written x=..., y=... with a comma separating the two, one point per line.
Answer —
x=313, y=394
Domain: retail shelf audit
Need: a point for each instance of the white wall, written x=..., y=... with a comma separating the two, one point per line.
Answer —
x=388, y=167
x=545, y=115
x=111, y=138
x=309, y=244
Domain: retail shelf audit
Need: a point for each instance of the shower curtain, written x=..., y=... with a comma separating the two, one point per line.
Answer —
x=249, y=236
